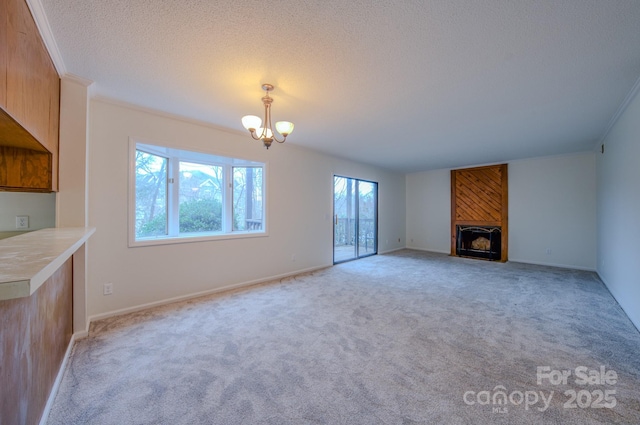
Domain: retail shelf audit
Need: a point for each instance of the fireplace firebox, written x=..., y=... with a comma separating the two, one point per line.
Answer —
x=479, y=242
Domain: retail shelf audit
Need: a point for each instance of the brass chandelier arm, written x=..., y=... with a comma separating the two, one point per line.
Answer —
x=254, y=135
x=267, y=100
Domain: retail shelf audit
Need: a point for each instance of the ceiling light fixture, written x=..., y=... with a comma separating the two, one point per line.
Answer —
x=266, y=134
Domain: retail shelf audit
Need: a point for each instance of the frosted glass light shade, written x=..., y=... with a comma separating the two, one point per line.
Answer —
x=284, y=127
x=268, y=133
x=251, y=121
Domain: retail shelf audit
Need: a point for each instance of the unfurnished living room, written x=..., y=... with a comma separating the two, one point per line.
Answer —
x=443, y=231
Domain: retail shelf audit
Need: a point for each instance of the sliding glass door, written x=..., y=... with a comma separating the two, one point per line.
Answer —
x=355, y=220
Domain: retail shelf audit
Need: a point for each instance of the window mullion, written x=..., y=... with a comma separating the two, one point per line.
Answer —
x=173, y=222
x=227, y=221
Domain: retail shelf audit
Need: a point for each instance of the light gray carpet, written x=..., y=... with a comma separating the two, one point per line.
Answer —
x=390, y=339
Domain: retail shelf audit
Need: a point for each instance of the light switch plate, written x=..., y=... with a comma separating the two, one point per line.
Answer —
x=22, y=222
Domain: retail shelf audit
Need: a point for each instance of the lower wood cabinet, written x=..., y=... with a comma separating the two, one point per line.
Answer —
x=36, y=332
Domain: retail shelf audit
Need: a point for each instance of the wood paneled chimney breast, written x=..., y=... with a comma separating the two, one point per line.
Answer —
x=479, y=197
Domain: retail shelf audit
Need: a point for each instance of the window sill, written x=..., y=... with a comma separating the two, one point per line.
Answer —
x=168, y=240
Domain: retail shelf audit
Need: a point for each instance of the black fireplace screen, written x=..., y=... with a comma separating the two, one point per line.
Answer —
x=479, y=242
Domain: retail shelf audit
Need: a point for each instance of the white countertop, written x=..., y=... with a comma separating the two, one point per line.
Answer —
x=28, y=260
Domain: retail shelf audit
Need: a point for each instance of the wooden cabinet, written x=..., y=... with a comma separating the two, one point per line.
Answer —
x=36, y=331
x=3, y=53
x=25, y=170
x=29, y=98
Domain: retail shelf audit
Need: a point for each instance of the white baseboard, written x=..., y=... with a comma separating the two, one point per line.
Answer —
x=634, y=323
x=82, y=334
x=562, y=266
x=437, y=251
x=56, y=383
x=516, y=260
x=198, y=294
x=388, y=251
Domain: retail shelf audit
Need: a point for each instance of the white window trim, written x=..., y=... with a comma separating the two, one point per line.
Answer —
x=227, y=233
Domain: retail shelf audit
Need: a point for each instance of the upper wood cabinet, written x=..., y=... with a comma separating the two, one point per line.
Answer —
x=29, y=90
x=3, y=53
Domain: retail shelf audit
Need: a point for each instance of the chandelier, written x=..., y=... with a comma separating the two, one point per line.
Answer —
x=266, y=134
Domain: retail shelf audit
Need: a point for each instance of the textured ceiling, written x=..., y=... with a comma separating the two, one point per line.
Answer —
x=407, y=85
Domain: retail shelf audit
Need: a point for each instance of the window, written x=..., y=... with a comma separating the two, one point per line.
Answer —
x=180, y=196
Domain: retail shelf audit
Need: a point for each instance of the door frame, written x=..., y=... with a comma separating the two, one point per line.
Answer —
x=356, y=218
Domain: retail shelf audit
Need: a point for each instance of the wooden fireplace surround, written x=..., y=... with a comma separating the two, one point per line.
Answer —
x=479, y=197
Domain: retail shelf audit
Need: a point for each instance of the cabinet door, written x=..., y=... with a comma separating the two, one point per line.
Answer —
x=30, y=76
x=3, y=54
x=26, y=83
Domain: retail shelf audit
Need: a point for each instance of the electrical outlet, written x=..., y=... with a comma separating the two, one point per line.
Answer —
x=548, y=251
x=22, y=222
x=107, y=289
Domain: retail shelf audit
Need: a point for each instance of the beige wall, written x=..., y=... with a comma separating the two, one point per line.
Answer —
x=619, y=210
x=72, y=198
x=40, y=207
x=299, y=191
x=552, y=205
x=71, y=202
x=429, y=211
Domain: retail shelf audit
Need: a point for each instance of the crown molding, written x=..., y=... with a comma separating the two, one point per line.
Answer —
x=77, y=79
x=623, y=107
x=164, y=114
x=39, y=16
x=81, y=81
